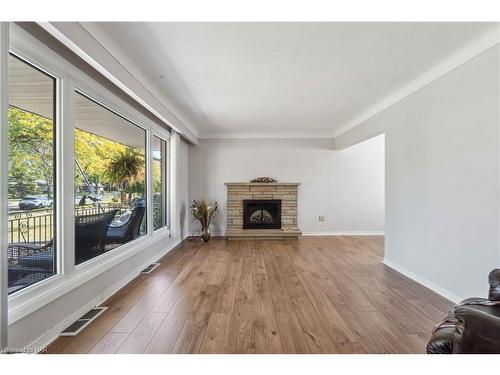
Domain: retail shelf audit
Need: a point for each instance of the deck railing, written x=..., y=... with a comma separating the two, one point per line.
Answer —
x=37, y=226
x=31, y=255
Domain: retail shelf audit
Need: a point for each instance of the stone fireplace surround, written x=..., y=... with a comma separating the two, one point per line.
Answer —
x=239, y=191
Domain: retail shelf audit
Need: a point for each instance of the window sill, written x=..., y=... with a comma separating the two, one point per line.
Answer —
x=34, y=297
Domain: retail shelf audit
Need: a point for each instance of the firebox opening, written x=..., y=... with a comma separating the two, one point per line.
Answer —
x=262, y=214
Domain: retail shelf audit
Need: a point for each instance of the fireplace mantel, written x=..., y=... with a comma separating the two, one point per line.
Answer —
x=262, y=183
x=286, y=192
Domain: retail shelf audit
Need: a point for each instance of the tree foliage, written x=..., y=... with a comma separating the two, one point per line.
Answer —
x=31, y=152
x=94, y=154
x=31, y=157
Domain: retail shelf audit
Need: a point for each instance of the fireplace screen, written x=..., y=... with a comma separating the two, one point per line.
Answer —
x=262, y=214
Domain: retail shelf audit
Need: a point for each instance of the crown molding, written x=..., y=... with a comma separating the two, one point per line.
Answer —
x=468, y=52
x=74, y=36
x=265, y=135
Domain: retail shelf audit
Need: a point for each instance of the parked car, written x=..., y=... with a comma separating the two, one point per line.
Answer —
x=32, y=202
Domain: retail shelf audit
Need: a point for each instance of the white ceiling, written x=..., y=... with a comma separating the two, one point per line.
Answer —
x=279, y=79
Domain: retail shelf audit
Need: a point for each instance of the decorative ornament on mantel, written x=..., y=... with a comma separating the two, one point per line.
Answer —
x=266, y=180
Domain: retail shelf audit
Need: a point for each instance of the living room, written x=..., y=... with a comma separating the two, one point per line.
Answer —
x=258, y=187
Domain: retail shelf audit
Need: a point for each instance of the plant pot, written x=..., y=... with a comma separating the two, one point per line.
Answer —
x=205, y=234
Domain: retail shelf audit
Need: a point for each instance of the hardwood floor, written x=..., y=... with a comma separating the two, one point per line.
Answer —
x=314, y=295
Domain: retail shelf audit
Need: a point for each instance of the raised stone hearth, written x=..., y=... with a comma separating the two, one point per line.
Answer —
x=238, y=192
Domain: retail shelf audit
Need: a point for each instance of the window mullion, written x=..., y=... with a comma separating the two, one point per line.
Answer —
x=149, y=181
x=164, y=189
x=66, y=181
x=168, y=185
x=4, y=105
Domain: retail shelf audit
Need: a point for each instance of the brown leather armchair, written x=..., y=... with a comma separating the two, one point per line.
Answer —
x=472, y=326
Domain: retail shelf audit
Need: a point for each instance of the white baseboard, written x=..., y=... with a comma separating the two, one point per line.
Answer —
x=423, y=281
x=44, y=340
x=345, y=233
x=326, y=233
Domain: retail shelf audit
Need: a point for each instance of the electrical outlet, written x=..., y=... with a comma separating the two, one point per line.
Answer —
x=321, y=218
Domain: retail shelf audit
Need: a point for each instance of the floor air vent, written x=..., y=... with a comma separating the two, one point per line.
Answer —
x=149, y=268
x=75, y=328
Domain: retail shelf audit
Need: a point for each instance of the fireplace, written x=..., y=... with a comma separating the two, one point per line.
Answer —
x=262, y=214
x=278, y=200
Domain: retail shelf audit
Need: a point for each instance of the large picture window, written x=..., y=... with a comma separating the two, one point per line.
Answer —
x=159, y=148
x=31, y=179
x=110, y=176
x=59, y=117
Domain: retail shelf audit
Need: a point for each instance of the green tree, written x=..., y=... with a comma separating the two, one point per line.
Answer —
x=94, y=154
x=31, y=152
x=21, y=183
x=31, y=157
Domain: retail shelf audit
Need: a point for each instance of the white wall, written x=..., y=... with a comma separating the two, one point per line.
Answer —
x=347, y=187
x=442, y=178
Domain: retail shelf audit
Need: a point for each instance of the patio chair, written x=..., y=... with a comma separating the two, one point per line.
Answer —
x=33, y=262
x=129, y=230
x=90, y=235
x=36, y=261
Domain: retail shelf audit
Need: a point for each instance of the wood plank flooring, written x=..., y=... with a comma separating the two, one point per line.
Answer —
x=314, y=295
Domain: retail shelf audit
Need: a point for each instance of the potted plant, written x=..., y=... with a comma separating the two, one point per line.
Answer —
x=126, y=168
x=204, y=213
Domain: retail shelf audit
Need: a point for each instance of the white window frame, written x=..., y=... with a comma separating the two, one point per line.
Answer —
x=83, y=89
x=164, y=136
x=69, y=80
x=4, y=105
x=59, y=225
